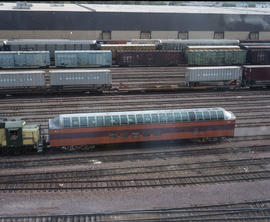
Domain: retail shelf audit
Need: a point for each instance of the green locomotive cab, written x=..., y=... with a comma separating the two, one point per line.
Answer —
x=15, y=134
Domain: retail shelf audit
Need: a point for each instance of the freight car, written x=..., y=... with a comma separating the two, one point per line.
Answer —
x=24, y=59
x=226, y=75
x=83, y=58
x=79, y=80
x=256, y=75
x=115, y=47
x=179, y=44
x=50, y=45
x=149, y=58
x=215, y=55
x=257, y=54
x=21, y=79
x=112, y=42
x=145, y=41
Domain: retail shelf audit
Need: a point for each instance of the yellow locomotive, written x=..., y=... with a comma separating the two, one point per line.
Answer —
x=14, y=134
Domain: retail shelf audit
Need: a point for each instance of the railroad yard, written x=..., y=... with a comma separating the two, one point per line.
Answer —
x=185, y=180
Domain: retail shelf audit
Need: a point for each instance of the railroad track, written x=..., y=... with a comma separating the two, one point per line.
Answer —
x=258, y=210
x=240, y=95
x=134, y=183
x=91, y=158
x=192, y=169
x=153, y=103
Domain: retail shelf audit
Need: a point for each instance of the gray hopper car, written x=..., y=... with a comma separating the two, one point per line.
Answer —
x=228, y=74
x=22, y=79
x=83, y=58
x=24, y=59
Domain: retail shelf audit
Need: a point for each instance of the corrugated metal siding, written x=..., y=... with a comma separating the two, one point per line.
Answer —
x=205, y=74
x=145, y=41
x=83, y=58
x=258, y=55
x=149, y=58
x=80, y=77
x=115, y=47
x=217, y=57
x=50, y=45
x=22, y=79
x=15, y=59
x=256, y=72
x=182, y=44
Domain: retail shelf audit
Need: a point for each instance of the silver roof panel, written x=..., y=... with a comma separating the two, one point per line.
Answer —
x=79, y=70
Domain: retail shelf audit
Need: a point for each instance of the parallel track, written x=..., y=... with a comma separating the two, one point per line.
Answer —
x=248, y=211
x=136, y=183
x=139, y=155
x=196, y=168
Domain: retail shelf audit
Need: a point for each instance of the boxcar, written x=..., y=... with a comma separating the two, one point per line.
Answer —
x=149, y=58
x=92, y=79
x=115, y=47
x=253, y=74
x=112, y=41
x=225, y=74
x=181, y=44
x=258, y=55
x=139, y=126
x=22, y=79
x=145, y=41
x=50, y=45
x=215, y=55
x=24, y=59
x=83, y=58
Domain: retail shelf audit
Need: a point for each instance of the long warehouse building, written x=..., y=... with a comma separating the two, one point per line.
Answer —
x=126, y=22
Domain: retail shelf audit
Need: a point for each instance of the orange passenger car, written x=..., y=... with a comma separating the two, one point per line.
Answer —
x=136, y=126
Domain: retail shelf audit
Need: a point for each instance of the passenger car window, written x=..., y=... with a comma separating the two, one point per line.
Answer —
x=91, y=121
x=213, y=115
x=154, y=118
x=177, y=117
x=169, y=117
x=146, y=133
x=206, y=115
x=199, y=115
x=83, y=122
x=184, y=116
x=108, y=121
x=75, y=121
x=124, y=135
x=220, y=115
x=123, y=119
x=162, y=118
x=116, y=120
x=100, y=121
x=56, y=122
x=139, y=118
x=192, y=116
x=131, y=119
x=66, y=122
x=147, y=118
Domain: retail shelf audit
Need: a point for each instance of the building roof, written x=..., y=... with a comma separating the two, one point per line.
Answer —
x=136, y=8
